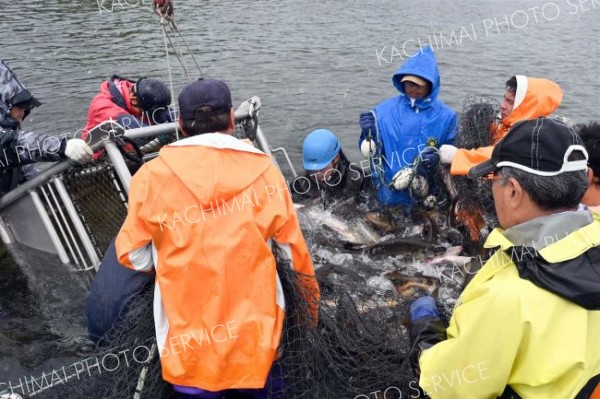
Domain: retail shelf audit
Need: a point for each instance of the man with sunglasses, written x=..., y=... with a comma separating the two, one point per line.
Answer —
x=21, y=148
x=527, y=325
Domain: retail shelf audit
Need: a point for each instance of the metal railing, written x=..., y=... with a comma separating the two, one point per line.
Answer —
x=82, y=208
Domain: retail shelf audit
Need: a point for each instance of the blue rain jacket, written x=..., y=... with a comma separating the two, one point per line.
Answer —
x=405, y=127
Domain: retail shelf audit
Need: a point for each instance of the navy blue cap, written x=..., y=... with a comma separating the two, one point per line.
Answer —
x=202, y=93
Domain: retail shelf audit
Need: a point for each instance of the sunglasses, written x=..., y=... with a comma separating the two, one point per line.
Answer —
x=494, y=176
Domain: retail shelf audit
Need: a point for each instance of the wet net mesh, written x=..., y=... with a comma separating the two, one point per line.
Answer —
x=97, y=192
x=477, y=121
x=95, y=188
x=474, y=207
x=245, y=129
x=98, y=187
x=358, y=346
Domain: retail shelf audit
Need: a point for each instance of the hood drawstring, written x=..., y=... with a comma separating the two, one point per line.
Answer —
x=413, y=102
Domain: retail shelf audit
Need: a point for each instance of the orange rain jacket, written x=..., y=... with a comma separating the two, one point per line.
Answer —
x=204, y=215
x=535, y=97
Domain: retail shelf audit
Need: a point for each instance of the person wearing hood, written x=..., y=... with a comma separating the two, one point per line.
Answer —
x=406, y=130
x=20, y=147
x=525, y=98
x=328, y=173
x=527, y=325
x=206, y=215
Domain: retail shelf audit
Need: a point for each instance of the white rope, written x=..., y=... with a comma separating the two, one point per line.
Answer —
x=162, y=21
x=189, y=51
x=178, y=54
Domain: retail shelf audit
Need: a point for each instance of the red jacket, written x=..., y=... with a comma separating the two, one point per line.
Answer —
x=104, y=105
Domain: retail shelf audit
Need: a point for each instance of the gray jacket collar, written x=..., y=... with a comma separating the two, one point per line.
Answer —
x=543, y=231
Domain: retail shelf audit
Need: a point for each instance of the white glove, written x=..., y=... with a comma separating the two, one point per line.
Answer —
x=367, y=148
x=447, y=153
x=78, y=151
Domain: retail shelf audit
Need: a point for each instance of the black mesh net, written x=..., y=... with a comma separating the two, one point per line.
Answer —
x=246, y=129
x=123, y=365
x=474, y=205
x=94, y=188
x=477, y=121
x=97, y=187
x=358, y=346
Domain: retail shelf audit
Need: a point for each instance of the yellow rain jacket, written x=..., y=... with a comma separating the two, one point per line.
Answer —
x=204, y=215
x=535, y=97
x=507, y=331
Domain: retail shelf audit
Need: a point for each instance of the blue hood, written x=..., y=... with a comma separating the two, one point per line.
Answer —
x=424, y=65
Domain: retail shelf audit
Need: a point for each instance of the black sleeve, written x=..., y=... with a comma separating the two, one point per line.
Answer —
x=303, y=188
x=424, y=333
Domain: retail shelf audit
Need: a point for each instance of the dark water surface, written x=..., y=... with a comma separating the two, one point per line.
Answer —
x=313, y=63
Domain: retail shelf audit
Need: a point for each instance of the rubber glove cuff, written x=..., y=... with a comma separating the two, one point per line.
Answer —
x=423, y=307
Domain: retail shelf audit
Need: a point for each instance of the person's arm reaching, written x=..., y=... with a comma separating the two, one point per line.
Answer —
x=483, y=342
x=22, y=148
x=276, y=218
x=290, y=240
x=366, y=141
x=425, y=329
x=463, y=159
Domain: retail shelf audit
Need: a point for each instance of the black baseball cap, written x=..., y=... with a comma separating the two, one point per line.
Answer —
x=201, y=93
x=152, y=94
x=539, y=146
x=26, y=100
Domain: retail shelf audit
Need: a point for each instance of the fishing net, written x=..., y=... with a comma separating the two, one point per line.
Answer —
x=474, y=205
x=357, y=349
x=93, y=188
x=98, y=187
x=97, y=193
x=124, y=364
x=245, y=129
x=477, y=121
